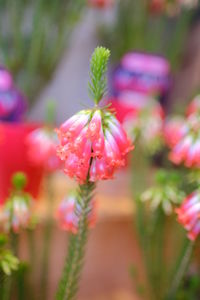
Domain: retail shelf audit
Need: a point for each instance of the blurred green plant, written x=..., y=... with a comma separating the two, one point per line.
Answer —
x=33, y=35
x=135, y=28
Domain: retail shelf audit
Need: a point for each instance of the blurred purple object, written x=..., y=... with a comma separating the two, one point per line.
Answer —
x=142, y=73
x=12, y=102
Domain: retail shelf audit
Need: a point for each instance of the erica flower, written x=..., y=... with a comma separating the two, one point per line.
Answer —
x=147, y=126
x=69, y=212
x=41, y=147
x=174, y=129
x=93, y=145
x=194, y=106
x=16, y=213
x=187, y=150
x=165, y=194
x=189, y=215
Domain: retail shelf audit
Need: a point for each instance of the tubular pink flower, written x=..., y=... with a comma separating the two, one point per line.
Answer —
x=189, y=215
x=68, y=214
x=120, y=136
x=16, y=214
x=41, y=149
x=94, y=147
x=174, y=129
x=95, y=126
x=98, y=145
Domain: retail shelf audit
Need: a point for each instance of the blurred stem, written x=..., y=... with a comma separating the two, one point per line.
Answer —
x=156, y=257
x=68, y=284
x=181, y=268
x=6, y=288
x=47, y=239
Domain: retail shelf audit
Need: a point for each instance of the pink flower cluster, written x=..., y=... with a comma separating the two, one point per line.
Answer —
x=189, y=215
x=93, y=145
x=41, y=144
x=183, y=137
x=69, y=211
x=16, y=213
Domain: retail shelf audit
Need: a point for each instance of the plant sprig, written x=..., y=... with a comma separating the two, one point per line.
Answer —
x=98, y=69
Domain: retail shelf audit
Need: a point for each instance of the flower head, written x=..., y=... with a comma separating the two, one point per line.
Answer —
x=147, y=127
x=16, y=213
x=174, y=129
x=187, y=148
x=93, y=145
x=189, y=215
x=165, y=194
x=41, y=147
x=69, y=212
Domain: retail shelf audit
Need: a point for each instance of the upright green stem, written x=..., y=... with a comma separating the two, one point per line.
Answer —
x=181, y=269
x=47, y=240
x=68, y=285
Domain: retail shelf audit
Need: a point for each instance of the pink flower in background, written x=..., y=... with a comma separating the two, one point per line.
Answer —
x=187, y=149
x=100, y=3
x=194, y=106
x=93, y=145
x=147, y=127
x=41, y=146
x=174, y=130
x=69, y=212
x=189, y=215
x=16, y=213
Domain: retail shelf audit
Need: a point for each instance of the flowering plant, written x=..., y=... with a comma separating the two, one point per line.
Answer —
x=173, y=197
x=93, y=146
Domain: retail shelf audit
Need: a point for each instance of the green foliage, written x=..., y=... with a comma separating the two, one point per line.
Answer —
x=68, y=285
x=31, y=50
x=98, y=69
x=136, y=29
x=8, y=262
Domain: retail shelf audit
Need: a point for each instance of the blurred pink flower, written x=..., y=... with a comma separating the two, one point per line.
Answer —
x=187, y=149
x=16, y=214
x=69, y=212
x=41, y=144
x=100, y=3
x=92, y=143
x=174, y=130
x=194, y=106
x=189, y=215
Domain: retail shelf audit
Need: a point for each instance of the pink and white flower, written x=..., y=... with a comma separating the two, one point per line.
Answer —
x=93, y=145
x=16, y=213
x=41, y=148
x=187, y=149
x=174, y=129
x=189, y=215
x=69, y=212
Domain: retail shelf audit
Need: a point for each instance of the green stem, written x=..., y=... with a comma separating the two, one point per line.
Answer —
x=6, y=291
x=68, y=285
x=181, y=269
x=47, y=240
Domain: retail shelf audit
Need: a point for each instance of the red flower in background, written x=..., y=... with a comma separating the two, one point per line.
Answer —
x=189, y=215
x=13, y=155
x=41, y=148
x=173, y=131
x=100, y=3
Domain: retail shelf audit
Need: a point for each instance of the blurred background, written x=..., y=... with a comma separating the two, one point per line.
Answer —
x=154, y=72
